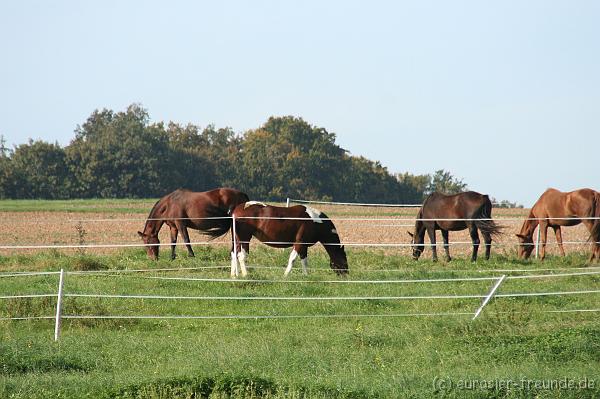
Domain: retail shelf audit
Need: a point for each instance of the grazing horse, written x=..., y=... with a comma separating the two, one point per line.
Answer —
x=183, y=209
x=440, y=212
x=297, y=226
x=556, y=209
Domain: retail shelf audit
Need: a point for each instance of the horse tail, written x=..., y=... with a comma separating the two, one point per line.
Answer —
x=219, y=226
x=487, y=225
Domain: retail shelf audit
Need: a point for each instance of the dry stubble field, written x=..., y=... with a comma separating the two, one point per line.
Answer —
x=356, y=225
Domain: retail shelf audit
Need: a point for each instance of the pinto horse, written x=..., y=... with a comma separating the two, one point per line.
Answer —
x=298, y=226
x=556, y=209
x=183, y=209
x=440, y=212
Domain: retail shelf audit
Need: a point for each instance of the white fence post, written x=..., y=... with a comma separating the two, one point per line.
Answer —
x=537, y=242
x=487, y=298
x=287, y=202
x=61, y=283
x=234, y=261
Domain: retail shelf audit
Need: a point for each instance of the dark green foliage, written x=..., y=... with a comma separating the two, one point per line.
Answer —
x=123, y=155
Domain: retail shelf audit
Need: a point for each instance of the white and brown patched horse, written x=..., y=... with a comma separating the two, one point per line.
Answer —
x=298, y=226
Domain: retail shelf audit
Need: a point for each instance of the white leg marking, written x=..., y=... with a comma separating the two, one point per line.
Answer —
x=293, y=256
x=234, y=268
x=242, y=259
x=304, y=265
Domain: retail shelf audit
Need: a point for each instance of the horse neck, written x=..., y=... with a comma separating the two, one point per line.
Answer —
x=529, y=225
x=419, y=233
x=152, y=227
x=330, y=238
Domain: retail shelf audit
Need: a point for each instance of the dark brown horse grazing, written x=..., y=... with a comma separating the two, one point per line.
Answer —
x=556, y=209
x=301, y=228
x=183, y=209
x=438, y=210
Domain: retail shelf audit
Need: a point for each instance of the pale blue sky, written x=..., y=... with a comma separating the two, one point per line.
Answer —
x=505, y=95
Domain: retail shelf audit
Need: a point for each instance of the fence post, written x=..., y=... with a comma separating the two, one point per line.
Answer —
x=234, y=261
x=489, y=296
x=287, y=202
x=61, y=283
x=537, y=243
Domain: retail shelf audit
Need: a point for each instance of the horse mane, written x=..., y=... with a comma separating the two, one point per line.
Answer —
x=152, y=213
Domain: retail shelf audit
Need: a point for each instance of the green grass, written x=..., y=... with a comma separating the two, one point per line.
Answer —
x=351, y=357
x=82, y=205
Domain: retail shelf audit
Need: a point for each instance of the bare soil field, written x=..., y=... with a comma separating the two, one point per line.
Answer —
x=359, y=227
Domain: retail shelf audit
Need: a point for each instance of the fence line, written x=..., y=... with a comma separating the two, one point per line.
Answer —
x=26, y=274
x=277, y=298
x=300, y=201
x=118, y=272
x=290, y=243
x=280, y=317
x=327, y=269
x=399, y=281
x=388, y=219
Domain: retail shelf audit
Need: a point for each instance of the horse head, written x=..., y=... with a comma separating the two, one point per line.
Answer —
x=151, y=242
x=416, y=242
x=525, y=246
x=337, y=259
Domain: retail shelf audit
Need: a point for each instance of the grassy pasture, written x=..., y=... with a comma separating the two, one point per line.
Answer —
x=513, y=349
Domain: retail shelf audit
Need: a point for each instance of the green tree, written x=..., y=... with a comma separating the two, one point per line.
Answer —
x=414, y=186
x=39, y=170
x=289, y=157
x=7, y=178
x=443, y=182
x=120, y=155
x=190, y=166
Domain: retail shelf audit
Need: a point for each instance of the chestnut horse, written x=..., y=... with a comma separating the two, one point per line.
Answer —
x=555, y=209
x=183, y=209
x=298, y=226
x=440, y=212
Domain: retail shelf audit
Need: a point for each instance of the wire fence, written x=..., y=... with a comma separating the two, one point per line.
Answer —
x=485, y=297
x=62, y=294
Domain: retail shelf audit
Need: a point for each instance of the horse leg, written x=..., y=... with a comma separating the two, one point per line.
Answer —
x=431, y=233
x=475, y=239
x=543, y=237
x=558, y=234
x=446, y=245
x=174, y=232
x=487, y=239
x=242, y=255
x=291, y=260
x=303, y=253
x=186, y=239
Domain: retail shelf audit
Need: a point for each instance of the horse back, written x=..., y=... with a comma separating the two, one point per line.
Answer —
x=458, y=206
x=278, y=224
x=557, y=204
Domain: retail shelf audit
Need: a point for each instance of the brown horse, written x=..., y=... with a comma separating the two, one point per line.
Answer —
x=183, y=209
x=297, y=226
x=556, y=209
x=441, y=212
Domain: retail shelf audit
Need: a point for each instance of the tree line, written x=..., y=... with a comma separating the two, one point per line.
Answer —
x=123, y=155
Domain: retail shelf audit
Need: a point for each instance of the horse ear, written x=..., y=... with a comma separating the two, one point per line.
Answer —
x=410, y=234
x=140, y=234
